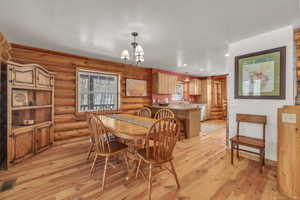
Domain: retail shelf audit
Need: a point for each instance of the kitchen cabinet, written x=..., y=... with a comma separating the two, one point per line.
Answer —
x=195, y=87
x=164, y=83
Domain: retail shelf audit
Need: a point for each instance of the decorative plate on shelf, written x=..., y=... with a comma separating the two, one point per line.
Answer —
x=20, y=98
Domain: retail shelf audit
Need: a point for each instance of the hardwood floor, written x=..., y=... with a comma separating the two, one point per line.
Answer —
x=202, y=164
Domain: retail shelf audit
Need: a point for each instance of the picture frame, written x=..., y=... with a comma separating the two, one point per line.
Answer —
x=20, y=98
x=136, y=88
x=261, y=75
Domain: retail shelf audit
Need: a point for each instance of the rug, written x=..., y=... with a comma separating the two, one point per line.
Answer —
x=208, y=128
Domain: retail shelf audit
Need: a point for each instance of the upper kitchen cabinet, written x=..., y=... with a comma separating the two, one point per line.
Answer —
x=164, y=83
x=195, y=87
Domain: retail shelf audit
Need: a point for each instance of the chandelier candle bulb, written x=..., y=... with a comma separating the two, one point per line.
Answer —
x=138, y=52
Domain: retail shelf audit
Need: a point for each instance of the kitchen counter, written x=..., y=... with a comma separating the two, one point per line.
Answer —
x=188, y=114
x=177, y=107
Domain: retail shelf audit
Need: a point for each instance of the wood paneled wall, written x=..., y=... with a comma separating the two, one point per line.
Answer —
x=297, y=41
x=68, y=124
x=4, y=48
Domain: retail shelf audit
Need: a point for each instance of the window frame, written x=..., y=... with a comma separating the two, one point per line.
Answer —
x=182, y=97
x=78, y=70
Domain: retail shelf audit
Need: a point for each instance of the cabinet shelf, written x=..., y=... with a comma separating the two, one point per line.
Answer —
x=20, y=127
x=31, y=107
x=31, y=88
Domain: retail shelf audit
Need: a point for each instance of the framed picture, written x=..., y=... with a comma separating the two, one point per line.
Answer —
x=261, y=75
x=20, y=98
x=136, y=87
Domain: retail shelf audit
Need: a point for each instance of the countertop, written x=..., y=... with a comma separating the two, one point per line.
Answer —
x=178, y=107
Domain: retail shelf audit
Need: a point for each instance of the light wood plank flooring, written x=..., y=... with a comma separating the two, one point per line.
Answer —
x=202, y=164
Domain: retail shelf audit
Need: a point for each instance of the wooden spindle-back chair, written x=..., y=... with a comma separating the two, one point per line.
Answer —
x=144, y=112
x=92, y=139
x=257, y=143
x=105, y=147
x=164, y=113
x=88, y=118
x=163, y=134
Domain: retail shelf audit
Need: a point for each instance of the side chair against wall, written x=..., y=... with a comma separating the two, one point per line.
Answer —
x=164, y=113
x=144, y=112
x=104, y=147
x=256, y=143
x=163, y=135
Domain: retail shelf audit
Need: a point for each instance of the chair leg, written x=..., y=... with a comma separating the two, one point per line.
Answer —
x=126, y=160
x=261, y=160
x=264, y=157
x=175, y=174
x=104, y=172
x=93, y=165
x=232, y=153
x=150, y=182
x=138, y=168
x=90, y=151
x=238, y=152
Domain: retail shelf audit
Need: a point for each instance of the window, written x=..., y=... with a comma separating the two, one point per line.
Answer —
x=97, y=91
x=179, y=92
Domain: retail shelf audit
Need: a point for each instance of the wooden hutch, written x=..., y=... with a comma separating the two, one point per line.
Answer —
x=30, y=110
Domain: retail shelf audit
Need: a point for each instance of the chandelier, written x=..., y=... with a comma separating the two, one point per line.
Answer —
x=137, y=51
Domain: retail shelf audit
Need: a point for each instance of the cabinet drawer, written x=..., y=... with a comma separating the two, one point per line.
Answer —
x=22, y=76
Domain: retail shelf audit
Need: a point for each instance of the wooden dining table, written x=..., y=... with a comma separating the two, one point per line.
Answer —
x=131, y=128
x=126, y=126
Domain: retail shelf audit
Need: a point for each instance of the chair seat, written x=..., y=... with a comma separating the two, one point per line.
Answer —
x=248, y=141
x=116, y=147
x=142, y=153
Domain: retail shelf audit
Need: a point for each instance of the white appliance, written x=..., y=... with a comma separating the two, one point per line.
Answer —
x=202, y=111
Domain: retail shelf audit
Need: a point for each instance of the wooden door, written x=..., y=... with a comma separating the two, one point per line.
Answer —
x=22, y=76
x=43, y=137
x=44, y=79
x=21, y=144
x=217, y=92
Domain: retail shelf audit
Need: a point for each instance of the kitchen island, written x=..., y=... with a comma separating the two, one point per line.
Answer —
x=188, y=114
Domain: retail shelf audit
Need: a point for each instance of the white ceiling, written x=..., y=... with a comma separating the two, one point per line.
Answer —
x=172, y=32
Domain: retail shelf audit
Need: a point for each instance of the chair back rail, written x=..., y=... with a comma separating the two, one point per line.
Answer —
x=88, y=120
x=164, y=113
x=163, y=135
x=144, y=112
x=100, y=134
x=248, y=118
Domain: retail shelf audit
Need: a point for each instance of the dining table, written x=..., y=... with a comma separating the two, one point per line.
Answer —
x=131, y=128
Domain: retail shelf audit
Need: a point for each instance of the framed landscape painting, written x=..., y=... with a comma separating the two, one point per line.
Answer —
x=136, y=88
x=261, y=75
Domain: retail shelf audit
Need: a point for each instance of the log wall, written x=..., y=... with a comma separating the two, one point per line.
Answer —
x=68, y=124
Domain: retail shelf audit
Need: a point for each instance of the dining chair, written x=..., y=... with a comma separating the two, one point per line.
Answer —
x=256, y=143
x=92, y=139
x=163, y=134
x=164, y=113
x=105, y=147
x=144, y=112
x=100, y=113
